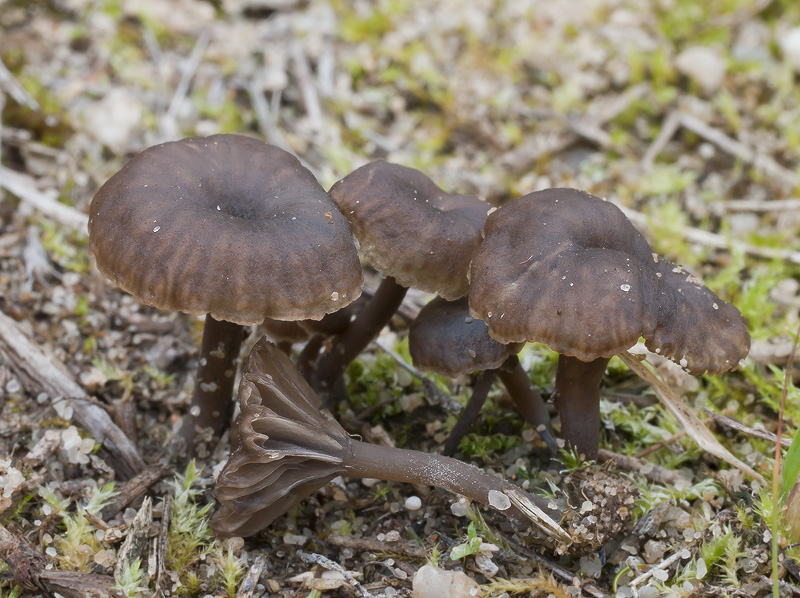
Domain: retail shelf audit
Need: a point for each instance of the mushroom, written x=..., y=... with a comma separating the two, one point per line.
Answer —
x=412, y=232
x=229, y=227
x=445, y=339
x=567, y=269
x=286, y=447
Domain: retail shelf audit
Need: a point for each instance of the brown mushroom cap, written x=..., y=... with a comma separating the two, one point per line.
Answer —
x=565, y=268
x=225, y=225
x=445, y=339
x=410, y=229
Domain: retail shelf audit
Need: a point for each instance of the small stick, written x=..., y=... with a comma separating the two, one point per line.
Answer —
x=682, y=554
x=25, y=188
x=658, y=445
x=15, y=90
x=758, y=205
x=189, y=70
x=651, y=471
x=135, y=543
x=373, y=545
x=131, y=489
x=729, y=422
x=759, y=161
x=249, y=584
x=330, y=565
x=667, y=132
x=28, y=567
x=302, y=71
x=709, y=239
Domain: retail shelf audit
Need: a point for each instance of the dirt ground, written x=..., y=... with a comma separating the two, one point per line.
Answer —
x=684, y=113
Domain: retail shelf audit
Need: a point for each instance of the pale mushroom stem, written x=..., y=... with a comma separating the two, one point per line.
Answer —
x=527, y=400
x=212, y=401
x=479, y=393
x=416, y=467
x=577, y=398
x=363, y=330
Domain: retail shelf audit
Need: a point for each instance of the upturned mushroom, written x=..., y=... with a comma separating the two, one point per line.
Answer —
x=230, y=228
x=286, y=447
x=413, y=233
x=445, y=339
x=567, y=269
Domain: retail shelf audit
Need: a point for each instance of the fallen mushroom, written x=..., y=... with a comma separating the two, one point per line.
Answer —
x=412, y=232
x=445, y=339
x=229, y=227
x=567, y=269
x=285, y=447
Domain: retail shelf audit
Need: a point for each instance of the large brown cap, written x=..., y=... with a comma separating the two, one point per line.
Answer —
x=445, y=339
x=565, y=268
x=225, y=225
x=410, y=229
x=284, y=447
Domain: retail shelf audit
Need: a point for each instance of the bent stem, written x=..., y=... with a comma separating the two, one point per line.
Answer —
x=212, y=401
x=479, y=394
x=527, y=400
x=361, y=331
x=415, y=467
x=577, y=398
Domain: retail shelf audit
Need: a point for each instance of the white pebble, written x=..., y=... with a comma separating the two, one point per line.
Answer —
x=413, y=503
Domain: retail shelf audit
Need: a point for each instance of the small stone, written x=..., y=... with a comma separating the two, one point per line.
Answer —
x=434, y=582
x=790, y=46
x=499, y=501
x=704, y=65
x=702, y=569
x=654, y=551
x=649, y=592
x=413, y=503
x=591, y=565
x=115, y=120
x=460, y=509
x=294, y=539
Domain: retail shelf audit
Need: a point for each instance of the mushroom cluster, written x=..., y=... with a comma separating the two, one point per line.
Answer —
x=567, y=269
x=237, y=230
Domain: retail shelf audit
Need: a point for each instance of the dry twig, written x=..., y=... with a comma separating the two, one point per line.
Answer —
x=25, y=188
x=42, y=372
x=651, y=471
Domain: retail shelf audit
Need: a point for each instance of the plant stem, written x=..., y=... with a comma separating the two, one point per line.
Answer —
x=777, y=495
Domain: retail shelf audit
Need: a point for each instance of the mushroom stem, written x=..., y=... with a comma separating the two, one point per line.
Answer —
x=308, y=355
x=577, y=398
x=527, y=400
x=479, y=393
x=212, y=404
x=416, y=467
x=361, y=331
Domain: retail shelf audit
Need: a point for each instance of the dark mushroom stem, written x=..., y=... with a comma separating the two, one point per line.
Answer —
x=527, y=400
x=577, y=398
x=480, y=392
x=416, y=467
x=212, y=401
x=361, y=331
